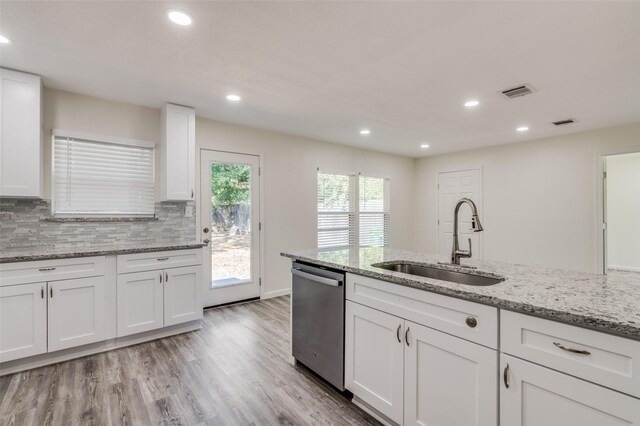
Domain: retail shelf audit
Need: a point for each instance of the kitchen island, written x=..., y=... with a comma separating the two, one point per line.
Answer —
x=544, y=346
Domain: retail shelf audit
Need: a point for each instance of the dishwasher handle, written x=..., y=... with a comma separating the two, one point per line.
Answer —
x=316, y=278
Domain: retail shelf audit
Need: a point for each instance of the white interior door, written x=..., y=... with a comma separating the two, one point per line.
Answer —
x=230, y=220
x=452, y=186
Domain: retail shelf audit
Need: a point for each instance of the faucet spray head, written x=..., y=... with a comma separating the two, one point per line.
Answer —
x=475, y=224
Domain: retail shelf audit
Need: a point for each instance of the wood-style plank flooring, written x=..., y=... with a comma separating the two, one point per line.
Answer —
x=234, y=371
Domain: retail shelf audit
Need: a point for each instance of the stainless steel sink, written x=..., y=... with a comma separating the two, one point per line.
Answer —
x=440, y=274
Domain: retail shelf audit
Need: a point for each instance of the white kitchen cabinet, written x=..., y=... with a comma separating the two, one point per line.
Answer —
x=374, y=359
x=182, y=300
x=448, y=381
x=140, y=299
x=20, y=134
x=538, y=396
x=23, y=321
x=76, y=312
x=178, y=153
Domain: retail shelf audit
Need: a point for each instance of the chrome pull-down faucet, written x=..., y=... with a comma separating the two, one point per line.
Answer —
x=457, y=253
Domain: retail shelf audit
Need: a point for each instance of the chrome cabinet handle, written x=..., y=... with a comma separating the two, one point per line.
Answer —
x=573, y=351
x=406, y=336
x=505, y=376
x=51, y=292
x=163, y=258
x=398, y=333
x=166, y=277
x=46, y=269
x=471, y=321
x=42, y=292
x=160, y=277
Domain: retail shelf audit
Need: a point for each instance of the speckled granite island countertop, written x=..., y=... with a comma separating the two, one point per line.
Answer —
x=24, y=254
x=607, y=303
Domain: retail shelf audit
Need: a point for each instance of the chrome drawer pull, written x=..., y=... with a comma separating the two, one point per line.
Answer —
x=505, y=376
x=163, y=258
x=398, y=334
x=406, y=336
x=46, y=269
x=573, y=351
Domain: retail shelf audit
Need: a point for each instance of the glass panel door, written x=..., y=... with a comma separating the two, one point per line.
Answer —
x=230, y=220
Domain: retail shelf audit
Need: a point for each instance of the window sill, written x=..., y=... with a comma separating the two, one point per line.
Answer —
x=102, y=219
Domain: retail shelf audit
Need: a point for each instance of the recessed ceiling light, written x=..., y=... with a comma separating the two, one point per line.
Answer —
x=234, y=98
x=522, y=129
x=179, y=18
x=365, y=132
x=471, y=104
x=424, y=146
x=4, y=40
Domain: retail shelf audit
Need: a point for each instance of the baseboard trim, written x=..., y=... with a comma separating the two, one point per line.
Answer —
x=373, y=412
x=41, y=360
x=625, y=268
x=276, y=293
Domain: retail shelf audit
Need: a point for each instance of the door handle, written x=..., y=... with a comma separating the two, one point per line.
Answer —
x=398, y=333
x=205, y=230
x=505, y=376
x=42, y=292
x=406, y=336
x=46, y=269
x=573, y=351
x=160, y=277
x=51, y=292
x=316, y=278
x=166, y=277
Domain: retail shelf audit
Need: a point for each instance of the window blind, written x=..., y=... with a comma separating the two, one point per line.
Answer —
x=102, y=178
x=336, y=209
x=373, y=202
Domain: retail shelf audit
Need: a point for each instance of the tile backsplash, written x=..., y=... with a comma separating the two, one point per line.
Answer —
x=28, y=223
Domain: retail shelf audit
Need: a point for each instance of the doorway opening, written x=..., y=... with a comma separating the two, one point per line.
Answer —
x=620, y=212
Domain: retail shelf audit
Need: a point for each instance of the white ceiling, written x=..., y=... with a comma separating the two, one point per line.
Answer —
x=327, y=69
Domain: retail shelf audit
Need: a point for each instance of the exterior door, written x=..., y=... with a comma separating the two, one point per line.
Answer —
x=230, y=220
x=539, y=396
x=182, y=288
x=23, y=321
x=77, y=310
x=374, y=364
x=448, y=381
x=140, y=302
x=452, y=186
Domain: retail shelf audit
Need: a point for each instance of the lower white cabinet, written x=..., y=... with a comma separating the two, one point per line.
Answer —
x=374, y=359
x=537, y=396
x=76, y=312
x=23, y=321
x=140, y=302
x=415, y=375
x=154, y=299
x=182, y=301
x=448, y=381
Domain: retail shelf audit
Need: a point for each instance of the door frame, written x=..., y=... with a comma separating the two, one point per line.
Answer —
x=206, y=272
x=600, y=204
x=480, y=207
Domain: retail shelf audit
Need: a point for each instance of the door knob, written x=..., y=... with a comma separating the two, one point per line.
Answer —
x=205, y=230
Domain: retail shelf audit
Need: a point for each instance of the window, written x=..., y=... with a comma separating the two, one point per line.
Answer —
x=95, y=176
x=352, y=210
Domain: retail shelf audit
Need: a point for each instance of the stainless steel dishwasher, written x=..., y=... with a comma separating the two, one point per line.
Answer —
x=317, y=304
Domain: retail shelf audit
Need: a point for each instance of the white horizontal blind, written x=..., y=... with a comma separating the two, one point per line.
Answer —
x=373, y=203
x=336, y=210
x=100, y=178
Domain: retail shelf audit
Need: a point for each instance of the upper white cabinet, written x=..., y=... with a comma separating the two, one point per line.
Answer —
x=178, y=153
x=20, y=134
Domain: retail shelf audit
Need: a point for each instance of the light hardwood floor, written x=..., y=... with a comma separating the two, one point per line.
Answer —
x=234, y=371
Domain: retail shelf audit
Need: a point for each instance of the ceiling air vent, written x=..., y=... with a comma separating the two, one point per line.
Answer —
x=564, y=122
x=518, y=91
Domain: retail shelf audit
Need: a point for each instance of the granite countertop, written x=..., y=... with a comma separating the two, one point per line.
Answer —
x=24, y=254
x=608, y=303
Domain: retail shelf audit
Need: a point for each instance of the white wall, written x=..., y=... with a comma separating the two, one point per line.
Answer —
x=289, y=170
x=539, y=197
x=623, y=211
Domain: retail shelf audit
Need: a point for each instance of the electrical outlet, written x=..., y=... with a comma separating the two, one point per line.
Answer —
x=188, y=211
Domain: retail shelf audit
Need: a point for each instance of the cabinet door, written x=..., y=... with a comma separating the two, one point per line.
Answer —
x=448, y=381
x=20, y=140
x=374, y=348
x=139, y=302
x=182, y=299
x=77, y=312
x=178, y=153
x=23, y=321
x=538, y=396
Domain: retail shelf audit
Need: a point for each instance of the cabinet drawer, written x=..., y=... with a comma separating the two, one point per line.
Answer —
x=51, y=270
x=608, y=360
x=443, y=313
x=140, y=262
